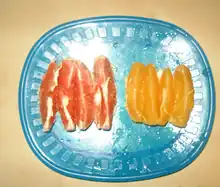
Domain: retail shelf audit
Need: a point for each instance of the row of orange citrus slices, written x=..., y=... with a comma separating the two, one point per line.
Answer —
x=154, y=98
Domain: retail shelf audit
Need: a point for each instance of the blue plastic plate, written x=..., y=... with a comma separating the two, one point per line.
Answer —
x=128, y=152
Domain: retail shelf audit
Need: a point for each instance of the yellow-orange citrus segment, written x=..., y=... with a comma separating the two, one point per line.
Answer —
x=150, y=95
x=134, y=81
x=184, y=96
x=166, y=96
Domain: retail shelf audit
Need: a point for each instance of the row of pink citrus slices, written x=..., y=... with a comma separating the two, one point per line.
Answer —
x=80, y=96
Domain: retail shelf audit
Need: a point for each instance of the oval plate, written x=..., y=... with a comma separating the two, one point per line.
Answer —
x=128, y=152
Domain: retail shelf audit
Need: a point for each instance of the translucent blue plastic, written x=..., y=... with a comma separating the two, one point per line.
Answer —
x=130, y=151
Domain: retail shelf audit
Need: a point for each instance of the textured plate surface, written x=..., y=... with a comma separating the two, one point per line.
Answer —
x=129, y=151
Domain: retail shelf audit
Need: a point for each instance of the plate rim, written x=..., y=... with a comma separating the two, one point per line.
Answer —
x=56, y=168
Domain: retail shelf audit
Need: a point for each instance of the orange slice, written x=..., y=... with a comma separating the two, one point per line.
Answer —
x=150, y=95
x=134, y=83
x=184, y=96
x=166, y=96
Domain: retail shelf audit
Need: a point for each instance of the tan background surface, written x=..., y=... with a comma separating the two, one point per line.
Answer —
x=23, y=22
